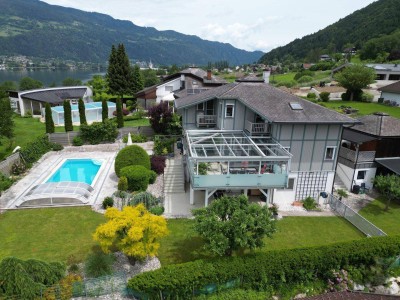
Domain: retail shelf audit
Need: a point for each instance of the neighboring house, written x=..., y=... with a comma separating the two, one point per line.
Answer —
x=391, y=92
x=325, y=57
x=253, y=137
x=34, y=101
x=369, y=148
x=186, y=82
x=386, y=71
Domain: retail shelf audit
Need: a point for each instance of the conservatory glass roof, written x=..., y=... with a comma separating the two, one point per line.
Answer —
x=232, y=144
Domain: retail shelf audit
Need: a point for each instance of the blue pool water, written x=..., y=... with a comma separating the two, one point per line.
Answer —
x=77, y=170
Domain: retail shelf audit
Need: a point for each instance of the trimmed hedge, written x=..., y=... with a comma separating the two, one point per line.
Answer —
x=99, y=132
x=130, y=156
x=138, y=177
x=262, y=270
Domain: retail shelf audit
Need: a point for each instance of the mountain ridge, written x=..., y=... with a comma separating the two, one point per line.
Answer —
x=35, y=28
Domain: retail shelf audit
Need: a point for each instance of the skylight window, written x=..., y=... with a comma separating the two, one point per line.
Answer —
x=296, y=106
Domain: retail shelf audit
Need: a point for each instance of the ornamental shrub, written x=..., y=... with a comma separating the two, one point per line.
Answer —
x=324, y=96
x=152, y=177
x=157, y=210
x=108, y=202
x=49, y=119
x=138, y=177
x=131, y=156
x=104, y=110
x=158, y=163
x=261, y=271
x=57, y=147
x=99, y=132
x=136, y=138
x=311, y=96
x=82, y=114
x=123, y=184
x=99, y=264
x=145, y=198
x=309, y=203
x=5, y=182
x=77, y=141
x=304, y=79
x=67, y=116
x=120, y=116
x=35, y=149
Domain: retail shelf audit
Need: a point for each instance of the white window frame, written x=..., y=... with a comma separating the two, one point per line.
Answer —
x=233, y=111
x=326, y=152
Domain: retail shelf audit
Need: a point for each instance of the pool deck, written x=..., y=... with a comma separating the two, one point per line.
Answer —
x=104, y=186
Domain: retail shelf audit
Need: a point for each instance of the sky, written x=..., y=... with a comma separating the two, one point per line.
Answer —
x=250, y=25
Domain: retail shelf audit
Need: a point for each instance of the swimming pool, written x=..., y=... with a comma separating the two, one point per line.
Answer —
x=77, y=170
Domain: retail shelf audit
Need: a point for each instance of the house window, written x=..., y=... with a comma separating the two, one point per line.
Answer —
x=330, y=153
x=361, y=175
x=194, y=82
x=290, y=183
x=210, y=107
x=200, y=106
x=229, y=111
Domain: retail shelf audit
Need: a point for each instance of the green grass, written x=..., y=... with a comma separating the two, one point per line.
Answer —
x=137, y=123
x=364, y=108
x=183, y=244
x=49, y=234
x=388, y=221
x=25, y=131
x=287, y=77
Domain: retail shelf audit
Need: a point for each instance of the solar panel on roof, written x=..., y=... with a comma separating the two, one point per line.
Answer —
x=296, y=106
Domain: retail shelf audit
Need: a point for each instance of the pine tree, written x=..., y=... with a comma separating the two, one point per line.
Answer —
x=119, y=74
x=82, y=114
x=104, y=110
x=120, y=117
x=138, y=82
x=67, y=116
x=49, y=119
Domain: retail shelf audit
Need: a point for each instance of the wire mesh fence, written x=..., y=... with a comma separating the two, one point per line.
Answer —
x=354, y=218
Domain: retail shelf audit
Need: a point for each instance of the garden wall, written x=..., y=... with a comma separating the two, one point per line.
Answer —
x=6, y=165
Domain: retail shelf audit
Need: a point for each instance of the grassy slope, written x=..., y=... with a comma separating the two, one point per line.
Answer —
x=364, y=108
x=388, y=221
x=50, y=234
x=183, y=244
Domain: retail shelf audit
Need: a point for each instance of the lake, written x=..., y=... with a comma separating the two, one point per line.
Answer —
x=48, y=76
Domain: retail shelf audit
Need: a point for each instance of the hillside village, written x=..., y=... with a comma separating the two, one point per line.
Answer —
x=229, y=179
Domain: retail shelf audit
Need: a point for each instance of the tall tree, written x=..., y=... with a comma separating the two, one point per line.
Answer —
x=354, y=78
x=5, y=87
x=6, y=119
x=232, y=224
x=104, y=110
x=27, y=83
x=133, y=230
x=82, y=113
x=67, y=116
x=388, y=186
x=119, y=74
x=69, y=81
x=120, y=116
x=49, y=119
x=138, y=82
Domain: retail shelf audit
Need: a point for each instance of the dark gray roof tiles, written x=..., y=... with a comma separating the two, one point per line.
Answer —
x=391, y=88
x=55, y=96
x=270, y=102
x=379, y=124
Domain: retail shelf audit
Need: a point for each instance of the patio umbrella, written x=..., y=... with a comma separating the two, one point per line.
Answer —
x=129, y=139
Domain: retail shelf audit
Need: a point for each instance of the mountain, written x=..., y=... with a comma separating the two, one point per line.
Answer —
x=377, y=19
x=37, y=29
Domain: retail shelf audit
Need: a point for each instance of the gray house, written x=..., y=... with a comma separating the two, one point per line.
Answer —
x=391, y=92
x=253, y=137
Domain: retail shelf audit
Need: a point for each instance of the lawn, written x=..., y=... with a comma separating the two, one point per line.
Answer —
x=49, y=234
x=183, y=244
x=137, y=123
x=388, y=221
x=364, y=108
x=25, y=130
x=288, y=77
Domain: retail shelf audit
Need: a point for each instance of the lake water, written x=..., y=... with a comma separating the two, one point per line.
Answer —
x=47, y=76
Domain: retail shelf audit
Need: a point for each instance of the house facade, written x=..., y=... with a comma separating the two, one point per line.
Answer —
x=369, y=148
x=391, y=92
x=386, y=71
x=253, y=137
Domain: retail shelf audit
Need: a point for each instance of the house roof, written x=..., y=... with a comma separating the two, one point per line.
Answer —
x=379, y=124
x=391, y=88
x=385, y=67
x=54, y=95
x=272, y=103
x=392, y=163
x=199, y=73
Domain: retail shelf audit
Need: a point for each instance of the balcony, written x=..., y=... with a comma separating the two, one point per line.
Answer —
x=258, y=128
x=206, y=121
x=351, y=155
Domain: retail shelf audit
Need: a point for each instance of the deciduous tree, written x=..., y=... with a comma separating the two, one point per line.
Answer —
x=27, y=83
x=354, y=78
x=134, y=231
x=231, y=224
x=69, y=81
x=388, y=186
x=49, y=119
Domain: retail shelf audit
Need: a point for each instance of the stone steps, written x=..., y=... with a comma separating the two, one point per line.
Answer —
x=174, y=179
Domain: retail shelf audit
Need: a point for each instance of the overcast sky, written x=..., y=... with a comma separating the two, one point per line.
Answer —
x=250, y=25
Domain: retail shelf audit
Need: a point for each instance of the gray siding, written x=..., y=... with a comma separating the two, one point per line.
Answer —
x=308, y=144
x=391, y=97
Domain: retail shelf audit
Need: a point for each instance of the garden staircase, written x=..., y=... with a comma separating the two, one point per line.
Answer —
x=174, y=180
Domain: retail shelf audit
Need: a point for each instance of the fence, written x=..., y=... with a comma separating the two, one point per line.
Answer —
x=354, y=218
x=6, y=165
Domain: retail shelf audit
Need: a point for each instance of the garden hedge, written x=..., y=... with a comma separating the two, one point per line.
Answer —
x=131, y=156
x=262, y=270
x=138, y=177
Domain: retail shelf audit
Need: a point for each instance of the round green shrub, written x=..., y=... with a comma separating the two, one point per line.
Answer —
x=131, y=156
x=123, y=184
x=146, y=198
x=77, y=141
x=305, y=79
x=108, y=202
x=152, y=177
x=309, y=203
x=311, y=96
x=138, y=177
x=157, y=210
x=324, y=96
x=57, y=147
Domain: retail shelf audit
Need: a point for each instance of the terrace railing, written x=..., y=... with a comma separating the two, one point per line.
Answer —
x=257, y=128
x=354, y=218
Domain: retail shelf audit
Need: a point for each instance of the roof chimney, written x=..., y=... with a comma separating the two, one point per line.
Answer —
x=208, y=74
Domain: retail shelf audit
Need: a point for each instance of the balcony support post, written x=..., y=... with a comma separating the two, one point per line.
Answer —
x=191, y=195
